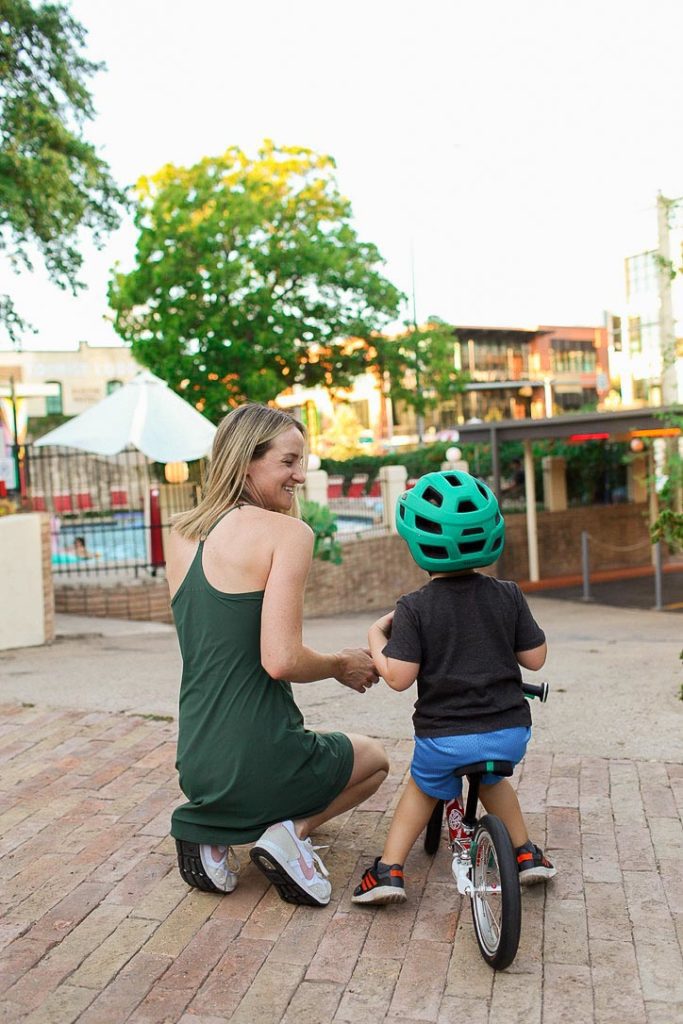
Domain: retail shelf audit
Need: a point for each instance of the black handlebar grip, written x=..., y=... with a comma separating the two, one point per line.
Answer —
x=539, y=690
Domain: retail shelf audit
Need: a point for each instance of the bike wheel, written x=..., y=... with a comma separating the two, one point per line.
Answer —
x=496, y=900
x=433, y=830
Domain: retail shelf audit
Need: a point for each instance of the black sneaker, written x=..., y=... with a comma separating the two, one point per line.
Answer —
x=533, y=864
x=382, y=883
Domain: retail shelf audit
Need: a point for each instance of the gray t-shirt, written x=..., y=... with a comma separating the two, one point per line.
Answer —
x=464, y=631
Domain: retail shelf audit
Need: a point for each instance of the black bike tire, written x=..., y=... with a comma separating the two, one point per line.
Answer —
x=511, y=901
x=433, y=830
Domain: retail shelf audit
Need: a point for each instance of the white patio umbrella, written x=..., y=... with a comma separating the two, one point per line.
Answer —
x=145, y=414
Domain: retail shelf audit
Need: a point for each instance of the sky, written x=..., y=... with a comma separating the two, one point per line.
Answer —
x=506, y=156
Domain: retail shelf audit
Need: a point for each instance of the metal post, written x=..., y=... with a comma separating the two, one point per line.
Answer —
x=531, y=524
x=658, y=576
x=495, y=462
x=585, y=567
x=15, y=436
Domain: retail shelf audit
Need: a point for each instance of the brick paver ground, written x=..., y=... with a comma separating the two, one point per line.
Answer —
x=98, y=927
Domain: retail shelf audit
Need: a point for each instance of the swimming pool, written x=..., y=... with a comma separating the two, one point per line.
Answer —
x=353, y=524
x=122, y=538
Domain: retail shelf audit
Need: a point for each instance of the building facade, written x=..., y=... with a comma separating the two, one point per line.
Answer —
x=80, y=377
x=513, y=373
x=650, y=324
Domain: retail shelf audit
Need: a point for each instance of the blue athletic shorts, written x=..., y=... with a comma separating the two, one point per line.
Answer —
x=435, y=758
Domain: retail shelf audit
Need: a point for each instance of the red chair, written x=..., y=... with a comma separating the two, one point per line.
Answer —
x=376, y=489
x=84, y=501
x=357, y=488
x=334, y=486
x=63, y=503
x=38, y=502
x=118, y=497
x=411, y=483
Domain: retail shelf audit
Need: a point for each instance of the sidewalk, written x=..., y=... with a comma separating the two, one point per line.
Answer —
x=97, y=926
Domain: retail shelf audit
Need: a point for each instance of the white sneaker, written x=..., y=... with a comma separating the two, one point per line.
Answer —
x=221, y=872
x=290, y=864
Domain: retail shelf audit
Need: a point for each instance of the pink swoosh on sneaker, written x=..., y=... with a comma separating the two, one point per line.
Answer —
x=307, y=870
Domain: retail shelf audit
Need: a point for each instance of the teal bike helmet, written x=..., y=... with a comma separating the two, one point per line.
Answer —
x=451, y=521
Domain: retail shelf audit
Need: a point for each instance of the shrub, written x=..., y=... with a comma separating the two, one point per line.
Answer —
x=323, y=522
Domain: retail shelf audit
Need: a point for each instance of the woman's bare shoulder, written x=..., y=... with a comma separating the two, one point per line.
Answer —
x=279, y=526
x=179, y=552
x=292, y=533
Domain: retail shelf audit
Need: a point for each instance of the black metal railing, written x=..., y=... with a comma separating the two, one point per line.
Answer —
x=109, y=514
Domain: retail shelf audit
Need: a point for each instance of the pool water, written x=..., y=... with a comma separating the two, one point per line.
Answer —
x=122, y=538
x=352, y=524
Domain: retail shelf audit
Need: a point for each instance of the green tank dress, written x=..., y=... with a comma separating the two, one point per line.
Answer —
x=244, y=758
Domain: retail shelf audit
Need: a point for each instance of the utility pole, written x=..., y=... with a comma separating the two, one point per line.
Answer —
x=667, y=333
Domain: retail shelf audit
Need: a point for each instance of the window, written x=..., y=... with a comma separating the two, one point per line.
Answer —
x=569, y=402
x=53, y=403
x=641, y=274
x=649, y=336
x=497, y=360
x=570, y=356
x=641, y=390
x=635, y=341
x=616, y=333
x=361, y=408
x=113, y=385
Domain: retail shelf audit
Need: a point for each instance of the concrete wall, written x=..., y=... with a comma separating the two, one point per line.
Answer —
x=377, y=570
x=27, y=605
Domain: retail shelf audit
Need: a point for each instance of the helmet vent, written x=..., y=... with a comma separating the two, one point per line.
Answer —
x=453, y=480
x=473, y=531
x=402, y=511
x=467, y=506
x=430, y=551
x=427, y=525
x=482, y=491
x=497, y=543
x=470, y=547
x=432, y=495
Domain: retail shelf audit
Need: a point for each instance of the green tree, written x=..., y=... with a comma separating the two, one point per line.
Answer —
x=52, y=182
x=249, y=278
x=420, y=365
x=668, y=526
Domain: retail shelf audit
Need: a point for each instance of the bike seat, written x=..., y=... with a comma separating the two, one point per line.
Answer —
x=486, y=768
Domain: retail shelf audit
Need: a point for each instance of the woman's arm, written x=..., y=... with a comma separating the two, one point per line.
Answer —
x=533, y=659
x=283, y=653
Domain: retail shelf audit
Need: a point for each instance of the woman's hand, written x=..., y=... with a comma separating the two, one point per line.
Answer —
x=357, y=669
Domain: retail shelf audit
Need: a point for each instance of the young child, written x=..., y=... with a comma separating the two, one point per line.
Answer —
x=463, y=636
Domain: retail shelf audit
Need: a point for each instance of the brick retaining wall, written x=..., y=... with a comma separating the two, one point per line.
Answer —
x=377, y=570
x=619, y=540
x=143, y=600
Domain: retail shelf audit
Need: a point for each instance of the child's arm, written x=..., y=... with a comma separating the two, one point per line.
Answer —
x=533, y=659
x=399, y=675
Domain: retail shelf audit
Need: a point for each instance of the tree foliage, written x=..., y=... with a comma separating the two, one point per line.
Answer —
x=419, y=364
x=668, y=526
x=249, y=278
x=52, y=182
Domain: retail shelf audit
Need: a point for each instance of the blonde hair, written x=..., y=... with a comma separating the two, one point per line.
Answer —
x=244, y=434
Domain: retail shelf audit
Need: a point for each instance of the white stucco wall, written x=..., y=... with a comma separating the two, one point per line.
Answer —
x=22, y=607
